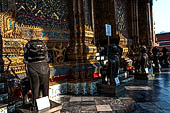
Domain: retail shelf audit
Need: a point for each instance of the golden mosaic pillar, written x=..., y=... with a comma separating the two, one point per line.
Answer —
x=81, y=50
x=13, y=44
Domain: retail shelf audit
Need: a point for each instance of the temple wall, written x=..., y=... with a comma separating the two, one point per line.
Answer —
x=32, y=20
x=61, y=29
x=71, y=29
x=52, y=22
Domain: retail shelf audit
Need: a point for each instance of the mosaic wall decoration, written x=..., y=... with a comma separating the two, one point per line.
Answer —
x=121, y=14
x=13, y=44
x=29, y=32
x=46, y=20
x=50, y=17
x=42, y=12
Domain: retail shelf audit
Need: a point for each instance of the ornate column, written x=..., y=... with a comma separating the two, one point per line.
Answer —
x=152, y=24
x=149, y=22
x=134, y=15
x=75, y=52
x=81, y=28
x=81, y=51
x=83, y=34
x=145, y=23
x=122, y=25
x=134, y=25
x=142, y=22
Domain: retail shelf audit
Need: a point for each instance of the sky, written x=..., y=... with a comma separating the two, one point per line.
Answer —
x=161, y=15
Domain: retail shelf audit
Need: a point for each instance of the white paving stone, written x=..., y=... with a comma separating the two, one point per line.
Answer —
x=87, y=98
x=75, y=99
x=103, y=108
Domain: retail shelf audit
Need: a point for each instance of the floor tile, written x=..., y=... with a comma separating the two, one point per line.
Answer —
x=73, y=99
x=87, y=98
x=103, y=108
x=88, y=108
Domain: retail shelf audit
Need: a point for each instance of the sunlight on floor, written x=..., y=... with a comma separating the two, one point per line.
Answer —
x=138, y=88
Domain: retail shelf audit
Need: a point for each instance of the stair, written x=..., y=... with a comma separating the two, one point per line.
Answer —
x=110, y=90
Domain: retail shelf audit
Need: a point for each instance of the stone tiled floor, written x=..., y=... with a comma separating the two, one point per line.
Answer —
x=95, y=104
x=142, y=96
x=153, y=95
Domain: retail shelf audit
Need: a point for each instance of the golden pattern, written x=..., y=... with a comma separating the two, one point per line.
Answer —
x=13, y=44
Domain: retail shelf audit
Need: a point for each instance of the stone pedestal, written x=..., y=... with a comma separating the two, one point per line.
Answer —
x=108, y=90
x=53, y=108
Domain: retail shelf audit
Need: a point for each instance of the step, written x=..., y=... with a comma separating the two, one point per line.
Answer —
x=110, y=90
x=129, y=78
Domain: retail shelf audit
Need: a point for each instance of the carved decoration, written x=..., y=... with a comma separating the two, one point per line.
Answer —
x=58, y=54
